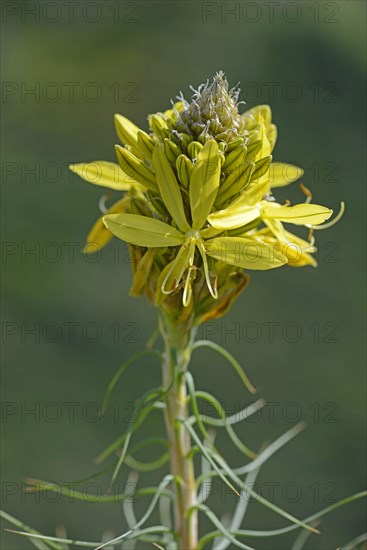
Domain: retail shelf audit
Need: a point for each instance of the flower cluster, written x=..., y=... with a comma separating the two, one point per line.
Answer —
x=198, y=207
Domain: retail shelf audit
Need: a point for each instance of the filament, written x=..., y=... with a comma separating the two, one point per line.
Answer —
x=213, y=291
x=332, y=222
x=171, y=269
x=102, y=203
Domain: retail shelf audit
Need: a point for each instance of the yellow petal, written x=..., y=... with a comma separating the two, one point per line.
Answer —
x=204, y=183
x=235, y=182
x=105, y=174
x=253, y=148
x=265, y=148
x=272, y=133
x=126, y=130
x=277, y=229
x=296, y=257
x=300, y=259
x=245, y=252
x=135, y=168
x=282, y=174
x=231, y=218
x=159, y=295
x=234, y=159
x=171, y=150
x=258, y=113
x=145, y=143
x=184, y=169
x=169, y=188
x=229, y=291
x=172, y=273
x=300, y=214
x=261, y=167
x=99, y=235
x=158, y=125
x=142, y=272
x=142, y=231
x=252, y=195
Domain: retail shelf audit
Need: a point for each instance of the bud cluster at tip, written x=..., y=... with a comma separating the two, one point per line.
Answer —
x=212, y=112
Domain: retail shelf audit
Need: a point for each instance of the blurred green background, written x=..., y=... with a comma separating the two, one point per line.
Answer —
x=306, y=60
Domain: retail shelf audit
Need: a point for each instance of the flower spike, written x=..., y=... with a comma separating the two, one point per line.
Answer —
x=202, y=179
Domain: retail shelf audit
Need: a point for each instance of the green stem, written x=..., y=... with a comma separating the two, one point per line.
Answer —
x=176, y=358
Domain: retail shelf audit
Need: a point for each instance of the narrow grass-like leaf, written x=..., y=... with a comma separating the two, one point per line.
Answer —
x=60, y=531
x=29, y=531
x=208, y=456
x=239, y=513
x=275, y=532
x=261, y=500
x=48, y=539
x=166, y=480
x=147, y=466
x=127, y=505
x=215, y=403
x=39, y=486
x=234, y=418
x=165, y=511
x=143, y=408
x=213, y=518
x=271, y=449
x=121, y=371
x=232, y=361
x=191, y=386
x=130, y=430
x=204, y=489
x=142, y=533
x=302, y=539
x=161, y=441
x=121, y=458
x=354, y=543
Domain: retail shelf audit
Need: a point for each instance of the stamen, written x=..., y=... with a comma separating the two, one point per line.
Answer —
x=307, y=193
x=333, y=222
x=170, y=271
x=213, y=291
x=215, y=284
x=102, y=203
x=187, y=293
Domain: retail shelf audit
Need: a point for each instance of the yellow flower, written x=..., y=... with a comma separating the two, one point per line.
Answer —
x=200, y=196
